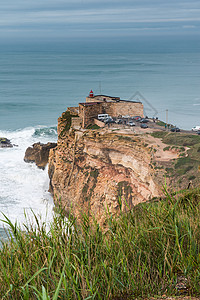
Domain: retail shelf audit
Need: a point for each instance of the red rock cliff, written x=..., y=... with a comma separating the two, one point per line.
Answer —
x=91, y=171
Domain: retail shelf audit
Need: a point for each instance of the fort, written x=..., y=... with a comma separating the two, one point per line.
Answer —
x=101, y=104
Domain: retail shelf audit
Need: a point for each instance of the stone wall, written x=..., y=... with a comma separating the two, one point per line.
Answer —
x=101, y=98
x=123, y=108
x=89, y=111
x=76, y=122
x=99, y=123
x=73, y=110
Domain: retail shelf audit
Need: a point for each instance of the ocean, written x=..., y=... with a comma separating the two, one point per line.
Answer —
x=37, y=86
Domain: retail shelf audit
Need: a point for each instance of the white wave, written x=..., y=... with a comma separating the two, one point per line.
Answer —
x=23, y=186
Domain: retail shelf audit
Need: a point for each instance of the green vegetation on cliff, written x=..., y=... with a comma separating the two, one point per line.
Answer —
x=151, y=250
x=66, y=119
x=187, y=166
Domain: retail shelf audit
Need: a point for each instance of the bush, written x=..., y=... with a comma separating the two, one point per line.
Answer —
x=159, y=134
x=93, y=126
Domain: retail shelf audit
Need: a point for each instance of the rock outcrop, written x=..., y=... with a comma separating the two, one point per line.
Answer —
x=5, y=143
x=39, y=153
x=95, y=171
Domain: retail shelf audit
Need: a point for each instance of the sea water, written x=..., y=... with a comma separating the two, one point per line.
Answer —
x=37, y=86
x=23, y=186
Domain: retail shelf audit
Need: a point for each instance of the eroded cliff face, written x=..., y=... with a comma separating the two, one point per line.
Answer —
x=93, y=171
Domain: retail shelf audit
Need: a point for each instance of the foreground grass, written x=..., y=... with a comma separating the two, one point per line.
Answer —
x=139, y=254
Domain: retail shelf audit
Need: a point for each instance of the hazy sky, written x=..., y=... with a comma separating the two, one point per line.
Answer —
x=58, y=19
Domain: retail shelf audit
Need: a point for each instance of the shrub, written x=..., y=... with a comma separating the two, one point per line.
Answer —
x=93, y=126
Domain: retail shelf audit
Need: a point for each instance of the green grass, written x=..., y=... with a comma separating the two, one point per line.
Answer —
x=166, y=148
x=188, y=163
x=161, y=123
x=138, y=254
x=93, y=126
x=67, y=120
x=177, y=138
x=126, y=138
x=159, y=134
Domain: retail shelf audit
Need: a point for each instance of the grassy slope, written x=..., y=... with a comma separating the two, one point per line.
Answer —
x=184, y=169
x=140, y=254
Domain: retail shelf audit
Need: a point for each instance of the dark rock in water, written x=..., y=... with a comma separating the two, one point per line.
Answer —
x=5, y=143
x=39, y=153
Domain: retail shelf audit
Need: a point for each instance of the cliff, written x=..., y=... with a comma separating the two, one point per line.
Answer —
x=93, y=171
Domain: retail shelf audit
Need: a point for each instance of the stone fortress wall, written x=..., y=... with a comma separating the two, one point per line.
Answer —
x=123, y=108
x=77, y=122
x=102, y=104
x=89, y=111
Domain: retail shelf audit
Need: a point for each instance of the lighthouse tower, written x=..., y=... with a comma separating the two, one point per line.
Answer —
x=91, y=94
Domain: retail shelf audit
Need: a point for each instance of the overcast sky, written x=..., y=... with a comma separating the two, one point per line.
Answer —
x=58, y=19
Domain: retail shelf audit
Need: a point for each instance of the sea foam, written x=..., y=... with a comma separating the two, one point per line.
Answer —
x=23, y=186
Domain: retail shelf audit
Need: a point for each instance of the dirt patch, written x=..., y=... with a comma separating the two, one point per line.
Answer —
x=161, y=152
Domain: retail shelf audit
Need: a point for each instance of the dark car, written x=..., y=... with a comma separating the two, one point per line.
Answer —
x=198, y=132
x=143, y=125
x=109, y=121
x=119, y=121
x=175, y=129
x=144, y=121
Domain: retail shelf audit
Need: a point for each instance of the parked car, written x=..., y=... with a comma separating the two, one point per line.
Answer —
x=136, y=118
x=144, y=125
x=126, y=117
x=175, y=129
x=198, y=132
x=103, y=117
x=196, y=128
x=109, y=121
x=144, y=121
x=130, y=123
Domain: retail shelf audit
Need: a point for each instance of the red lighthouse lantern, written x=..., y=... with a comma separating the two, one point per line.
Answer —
x=91, y=94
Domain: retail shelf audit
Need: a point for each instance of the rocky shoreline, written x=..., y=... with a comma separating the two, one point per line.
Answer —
x=39, y=154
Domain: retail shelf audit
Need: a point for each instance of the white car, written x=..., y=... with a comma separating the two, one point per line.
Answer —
x=126, y=117
x=130, y=123
x=196, y=128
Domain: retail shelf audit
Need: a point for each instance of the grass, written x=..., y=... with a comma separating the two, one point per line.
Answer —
x=166, y=148
x=138, y=254
x=161, y=123
x=187, y=165
x=177, y=138
x=159, y=134
x=126, y=138
x=93, y=126
x=67, y=120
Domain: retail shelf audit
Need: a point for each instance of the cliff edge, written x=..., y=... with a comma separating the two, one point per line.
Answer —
x=93, y=171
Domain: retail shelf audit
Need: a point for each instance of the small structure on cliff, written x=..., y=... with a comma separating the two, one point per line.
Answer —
x=102, y=104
